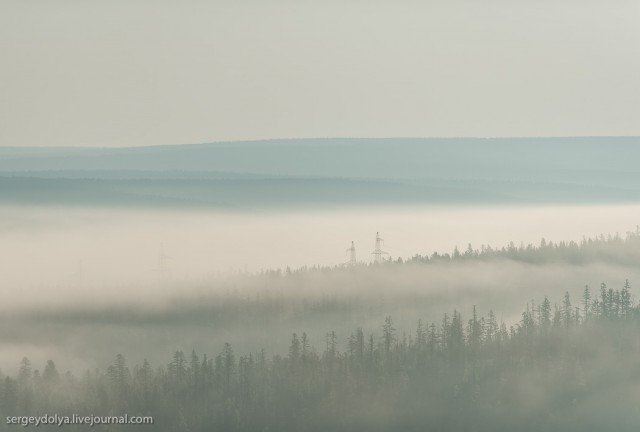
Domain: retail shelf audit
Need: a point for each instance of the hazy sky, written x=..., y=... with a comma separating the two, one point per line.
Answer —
x=114, y=73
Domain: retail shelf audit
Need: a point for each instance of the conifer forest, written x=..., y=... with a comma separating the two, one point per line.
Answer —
x=567, y=361
x=320, y=216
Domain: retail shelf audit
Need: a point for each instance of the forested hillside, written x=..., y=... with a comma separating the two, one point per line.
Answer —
x=568, y=366
x=356, y=347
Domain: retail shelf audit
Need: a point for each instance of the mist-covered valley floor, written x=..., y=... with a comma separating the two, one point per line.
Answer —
x=317, y=216
x=258, y=310
x=534, y=337
x=210, y=286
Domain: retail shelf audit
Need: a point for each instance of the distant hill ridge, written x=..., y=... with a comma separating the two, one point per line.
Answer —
x=504, y=158
x=326, y=171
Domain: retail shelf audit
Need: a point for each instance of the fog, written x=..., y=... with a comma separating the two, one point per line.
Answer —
x=65, y=255
x=392, y=333
x=180, y=184
x=150, y=282
x=117, y=264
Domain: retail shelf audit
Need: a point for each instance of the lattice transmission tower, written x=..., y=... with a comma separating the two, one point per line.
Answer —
x=378, y=252
x=352, y=254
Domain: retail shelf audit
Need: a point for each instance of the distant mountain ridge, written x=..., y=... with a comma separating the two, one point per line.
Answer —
x=368, y=158
x=339, y=171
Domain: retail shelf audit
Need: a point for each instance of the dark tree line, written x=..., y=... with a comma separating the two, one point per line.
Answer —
x=618, y=249
x=611, y=248
x=567, y=366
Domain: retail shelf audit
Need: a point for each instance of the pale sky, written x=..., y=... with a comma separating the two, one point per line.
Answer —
x=123, y=73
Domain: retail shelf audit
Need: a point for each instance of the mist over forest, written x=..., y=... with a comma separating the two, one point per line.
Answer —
x=316, y=216
x=433, y=341
x=211, y=287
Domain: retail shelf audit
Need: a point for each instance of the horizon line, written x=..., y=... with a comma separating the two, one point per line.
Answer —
x=326, y=138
